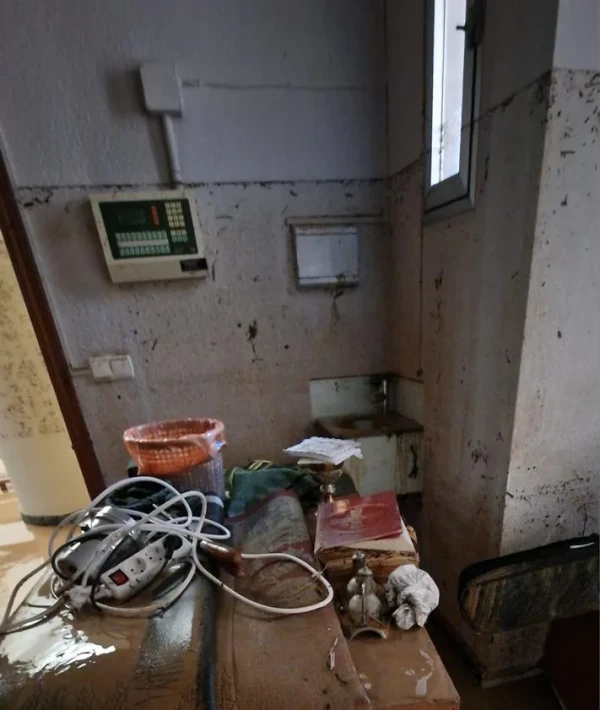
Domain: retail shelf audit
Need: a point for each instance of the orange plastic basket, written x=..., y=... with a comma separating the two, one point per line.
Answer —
x=173, y=446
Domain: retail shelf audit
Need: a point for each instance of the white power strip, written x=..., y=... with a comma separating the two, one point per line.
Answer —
x=125, y=579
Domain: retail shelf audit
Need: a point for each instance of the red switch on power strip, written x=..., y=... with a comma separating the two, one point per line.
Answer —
x=119, y=577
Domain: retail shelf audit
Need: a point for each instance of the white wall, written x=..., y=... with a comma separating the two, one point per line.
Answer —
x=404, y=33
x=405, y=148
x=578, y=35
x=284, y=116
x=277, y=89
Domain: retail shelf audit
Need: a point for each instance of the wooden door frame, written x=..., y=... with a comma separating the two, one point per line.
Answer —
x=30, y=282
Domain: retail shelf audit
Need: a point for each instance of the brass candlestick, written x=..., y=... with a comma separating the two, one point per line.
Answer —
x=327, y=475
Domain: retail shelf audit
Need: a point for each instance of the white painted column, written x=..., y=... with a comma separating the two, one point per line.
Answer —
x=34, y=444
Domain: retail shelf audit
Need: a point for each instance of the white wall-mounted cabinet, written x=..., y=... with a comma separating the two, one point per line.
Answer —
x=389, y=463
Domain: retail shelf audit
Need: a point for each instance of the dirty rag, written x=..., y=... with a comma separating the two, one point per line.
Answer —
x=415, y=594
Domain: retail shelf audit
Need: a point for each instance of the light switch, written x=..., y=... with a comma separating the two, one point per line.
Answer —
x=100, y=367
x=122, y=368
x=108, y=368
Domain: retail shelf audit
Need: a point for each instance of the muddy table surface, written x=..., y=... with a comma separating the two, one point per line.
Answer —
x=91, y=660
x=403, y=671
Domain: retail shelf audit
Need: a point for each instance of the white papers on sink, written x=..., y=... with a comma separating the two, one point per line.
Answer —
x=324, y=450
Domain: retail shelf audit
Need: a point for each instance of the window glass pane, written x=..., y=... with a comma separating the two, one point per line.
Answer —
x=447, y=98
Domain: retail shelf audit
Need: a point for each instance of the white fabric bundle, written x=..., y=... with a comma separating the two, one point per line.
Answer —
x=319, y=449
x=415, y=594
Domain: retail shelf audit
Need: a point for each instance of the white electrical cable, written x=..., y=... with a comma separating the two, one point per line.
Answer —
x=187, y=527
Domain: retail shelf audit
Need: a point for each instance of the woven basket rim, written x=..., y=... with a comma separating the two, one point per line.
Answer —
x=132, y=434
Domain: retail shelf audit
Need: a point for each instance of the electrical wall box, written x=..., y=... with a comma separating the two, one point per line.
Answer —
x=161, y=87
x=326, y=255
x=150, y=236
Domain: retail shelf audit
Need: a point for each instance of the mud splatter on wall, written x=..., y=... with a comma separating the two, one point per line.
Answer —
x=461, y=286
x=242, y=347
x=28, y=404
x=34, y=445
x=554, y=475
x=267, y=133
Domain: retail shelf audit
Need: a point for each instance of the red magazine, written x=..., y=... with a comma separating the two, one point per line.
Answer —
x=354, y=519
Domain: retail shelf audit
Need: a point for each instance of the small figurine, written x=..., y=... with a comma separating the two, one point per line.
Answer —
x=364, y=605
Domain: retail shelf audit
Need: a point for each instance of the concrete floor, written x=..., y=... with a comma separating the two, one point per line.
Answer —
x=23, y=547
x=528, y=694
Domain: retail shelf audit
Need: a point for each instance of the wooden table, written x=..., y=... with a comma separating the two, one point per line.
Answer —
x=91, y=660
x=403, y=671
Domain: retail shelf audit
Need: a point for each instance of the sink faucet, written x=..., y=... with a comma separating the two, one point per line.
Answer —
x=381, y=391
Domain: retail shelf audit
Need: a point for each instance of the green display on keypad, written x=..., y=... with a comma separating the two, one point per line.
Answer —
x=149, y=228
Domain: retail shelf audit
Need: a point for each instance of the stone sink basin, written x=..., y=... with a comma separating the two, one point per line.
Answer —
x=357, y=426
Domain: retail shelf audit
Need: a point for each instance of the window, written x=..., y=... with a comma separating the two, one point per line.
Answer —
x=454, y=29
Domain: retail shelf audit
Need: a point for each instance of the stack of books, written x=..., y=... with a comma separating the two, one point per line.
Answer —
x=371, y=524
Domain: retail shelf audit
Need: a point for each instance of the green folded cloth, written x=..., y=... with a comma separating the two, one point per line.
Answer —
x=247, y=486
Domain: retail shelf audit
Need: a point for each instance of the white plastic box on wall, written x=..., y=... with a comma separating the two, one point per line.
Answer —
x=326, y=255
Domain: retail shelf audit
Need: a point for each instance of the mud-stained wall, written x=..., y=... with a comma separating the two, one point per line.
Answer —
x=554, y=476
x=405, y=187
x=475, y=279
x=284, y=115
x=461, y=286
x=241, y=345
x=28, y=405
x=34, y=445
x=504, y=328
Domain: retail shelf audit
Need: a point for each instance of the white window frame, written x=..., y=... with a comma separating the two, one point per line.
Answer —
x=456, y=193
